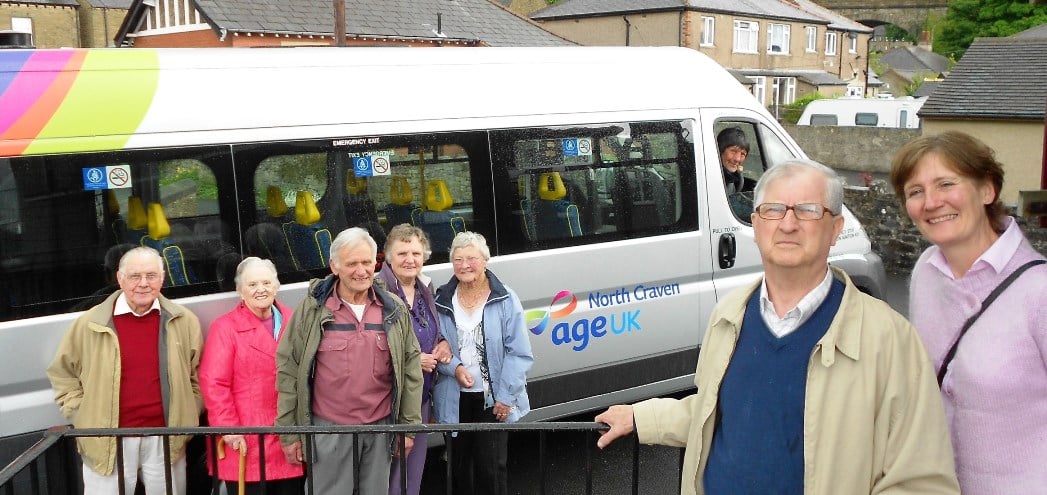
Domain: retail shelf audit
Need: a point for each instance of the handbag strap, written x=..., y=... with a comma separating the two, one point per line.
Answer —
x=985, y=305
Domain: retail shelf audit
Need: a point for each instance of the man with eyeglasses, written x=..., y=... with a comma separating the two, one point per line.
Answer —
x=349, y=356
x=805, y=384
x=130, y=362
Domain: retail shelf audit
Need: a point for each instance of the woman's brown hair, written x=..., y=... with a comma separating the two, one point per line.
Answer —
x=965, y=154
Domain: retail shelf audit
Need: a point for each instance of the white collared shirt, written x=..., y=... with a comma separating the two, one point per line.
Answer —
x=797, y=316
x=121, y=306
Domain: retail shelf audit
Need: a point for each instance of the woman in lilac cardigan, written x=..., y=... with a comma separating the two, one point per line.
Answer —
x=995, y=388
x=406, y=250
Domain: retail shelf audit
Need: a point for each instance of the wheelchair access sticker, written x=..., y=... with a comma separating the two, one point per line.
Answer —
x=111, y=177
x=577, y=146
x=372, y=164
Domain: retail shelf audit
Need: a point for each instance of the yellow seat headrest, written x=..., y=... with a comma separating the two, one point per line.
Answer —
x=158, y=226
x=400, y=191
x=355, y=185
x=136, y=218
x=437, y=196
x=274, y=202
x=112, y=204
x=305, y=211
x=550, y=186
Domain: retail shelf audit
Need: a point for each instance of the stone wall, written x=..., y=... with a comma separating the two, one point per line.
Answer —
x=862, y=149
x=893, y=235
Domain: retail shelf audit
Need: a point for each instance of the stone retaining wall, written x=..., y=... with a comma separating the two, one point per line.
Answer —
x=893, y=235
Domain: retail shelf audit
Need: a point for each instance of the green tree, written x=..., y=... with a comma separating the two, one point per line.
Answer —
x=969, y=19
x=792, y=112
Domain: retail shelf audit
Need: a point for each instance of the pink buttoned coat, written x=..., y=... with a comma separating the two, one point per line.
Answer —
x=238, y=381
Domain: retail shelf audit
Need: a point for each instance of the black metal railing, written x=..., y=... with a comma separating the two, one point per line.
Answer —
x=49, y=466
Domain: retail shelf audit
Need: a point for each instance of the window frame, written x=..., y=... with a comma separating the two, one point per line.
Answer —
x=783, y=35
x=708, y=37
x=830, y=42
x=749, y=33
x=811, y=32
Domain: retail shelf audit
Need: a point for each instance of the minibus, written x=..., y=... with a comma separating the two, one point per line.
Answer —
x=592, y=172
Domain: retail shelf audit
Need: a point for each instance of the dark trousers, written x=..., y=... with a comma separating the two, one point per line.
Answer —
x=478, y=460
x=290, y=486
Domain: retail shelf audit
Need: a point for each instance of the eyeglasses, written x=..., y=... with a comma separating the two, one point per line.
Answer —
x=472, y=260
x=803, y=211
x=137, y=277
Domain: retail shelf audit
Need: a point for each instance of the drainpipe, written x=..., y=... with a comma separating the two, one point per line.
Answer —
x=868, y=53
x=627, y=26
x=1043, y=166
x=339, y=22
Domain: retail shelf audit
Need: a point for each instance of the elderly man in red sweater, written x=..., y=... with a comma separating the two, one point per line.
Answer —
x=129, y=362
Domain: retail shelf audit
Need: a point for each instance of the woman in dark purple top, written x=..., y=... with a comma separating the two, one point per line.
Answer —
x=406, y=250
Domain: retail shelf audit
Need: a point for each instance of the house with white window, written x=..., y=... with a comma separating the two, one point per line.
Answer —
x=267, y=23
x=785, y=49
x=64, y=23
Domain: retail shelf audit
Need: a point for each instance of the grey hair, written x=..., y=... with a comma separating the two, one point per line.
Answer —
x=403, y=233
x=252, y=261
x=474, y=239
x=789, y=168
x=350, y=238
x=144, y=252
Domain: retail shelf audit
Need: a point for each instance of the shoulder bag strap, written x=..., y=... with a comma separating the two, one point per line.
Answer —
x=985, y=305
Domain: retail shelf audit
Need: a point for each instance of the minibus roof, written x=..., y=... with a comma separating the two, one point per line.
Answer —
x=60, y=101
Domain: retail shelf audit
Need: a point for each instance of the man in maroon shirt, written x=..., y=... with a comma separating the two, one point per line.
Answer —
x=349, y=357
x=131, y=361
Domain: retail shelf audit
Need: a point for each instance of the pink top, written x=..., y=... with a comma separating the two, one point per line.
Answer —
x=354, y=370
x=995, y=392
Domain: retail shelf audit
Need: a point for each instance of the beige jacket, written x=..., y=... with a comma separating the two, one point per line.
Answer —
x=85, y=374
x=874, y=421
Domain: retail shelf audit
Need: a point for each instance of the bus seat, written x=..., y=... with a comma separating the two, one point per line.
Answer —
x=136, y=226
x=113, y=217
x=266, y=240
x=649, y=199
x=437, y=220
x=275, y=205
x=401, y=206
x=308, y=240
x=438, y=196
x=178, y=273
x=360, y=210
x=554, y=216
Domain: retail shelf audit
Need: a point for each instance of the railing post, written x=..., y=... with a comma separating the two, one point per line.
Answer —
x=119, y=465
x=166, y=442
x=449, y=451
x=541, y=463
x=261, y=462
x=636, y=465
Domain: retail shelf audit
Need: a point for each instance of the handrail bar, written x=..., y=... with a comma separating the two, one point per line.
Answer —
x=346, y=429
x=51, y=436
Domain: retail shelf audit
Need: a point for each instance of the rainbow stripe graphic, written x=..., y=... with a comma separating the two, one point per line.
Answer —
x=62, y=101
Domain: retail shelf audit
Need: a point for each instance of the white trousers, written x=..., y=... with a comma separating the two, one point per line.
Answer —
x=144, y=455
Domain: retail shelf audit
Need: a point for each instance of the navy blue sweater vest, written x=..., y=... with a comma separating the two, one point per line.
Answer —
x=758, y=437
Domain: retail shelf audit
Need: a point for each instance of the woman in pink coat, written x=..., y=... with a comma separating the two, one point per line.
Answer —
x=238, y=379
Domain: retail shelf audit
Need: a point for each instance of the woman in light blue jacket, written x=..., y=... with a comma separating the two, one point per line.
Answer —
x=486, y=380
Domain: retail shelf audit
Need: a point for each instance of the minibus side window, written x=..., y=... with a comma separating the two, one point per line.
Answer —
x=580, y=185
x=66, y=220
x=374, y=183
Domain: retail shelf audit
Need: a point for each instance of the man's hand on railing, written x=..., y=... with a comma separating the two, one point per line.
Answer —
x=620, y=419
x=293, y=453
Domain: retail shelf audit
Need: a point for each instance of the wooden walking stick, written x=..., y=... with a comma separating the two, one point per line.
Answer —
x=242, y=473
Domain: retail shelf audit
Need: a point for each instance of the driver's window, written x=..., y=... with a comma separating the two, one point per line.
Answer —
x=742, y=163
